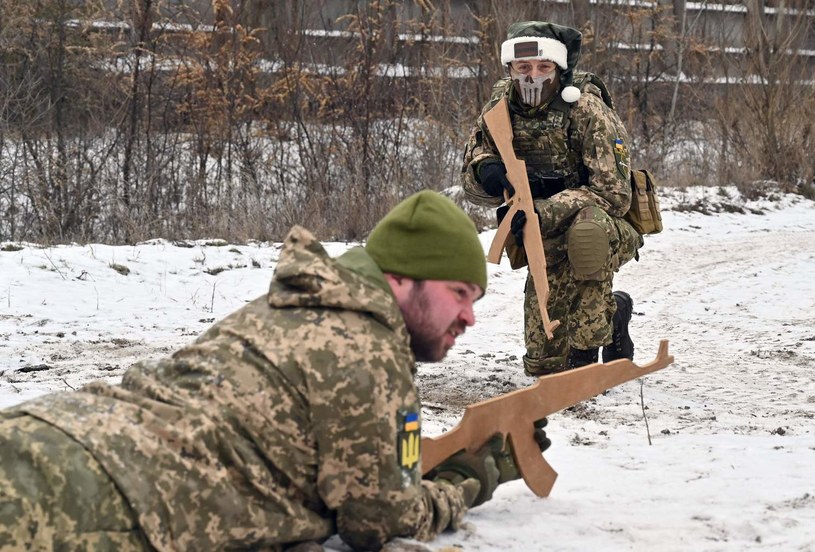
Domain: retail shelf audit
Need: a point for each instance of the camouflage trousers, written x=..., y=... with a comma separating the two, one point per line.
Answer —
x=583, y=303
x=55, y=496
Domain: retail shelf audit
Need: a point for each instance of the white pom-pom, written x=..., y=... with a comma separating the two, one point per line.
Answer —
x=570, y=94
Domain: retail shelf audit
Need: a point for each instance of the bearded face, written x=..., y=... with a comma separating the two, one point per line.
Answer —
x=434, y=319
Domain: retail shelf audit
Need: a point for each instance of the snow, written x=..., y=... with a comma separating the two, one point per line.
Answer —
x=731, y=422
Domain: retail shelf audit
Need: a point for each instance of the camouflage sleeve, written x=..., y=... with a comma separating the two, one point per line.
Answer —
x=367, y=420
x=605, y=154
x=480, y=147
x=446, y=503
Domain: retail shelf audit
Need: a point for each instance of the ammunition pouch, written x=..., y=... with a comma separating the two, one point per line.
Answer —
x=644, y=214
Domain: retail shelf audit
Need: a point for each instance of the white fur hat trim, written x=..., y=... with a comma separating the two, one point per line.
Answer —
x=534, y=47
x=570, y=94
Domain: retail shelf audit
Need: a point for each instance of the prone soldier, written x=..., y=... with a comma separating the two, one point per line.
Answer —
x=292, y=419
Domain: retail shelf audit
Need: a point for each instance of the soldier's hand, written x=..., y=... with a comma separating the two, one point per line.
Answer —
x=505, y=459
x=479, y=465
x=516, y=227
x=540, y=434
x=490, y=465
x=493, y=177
x=470, y=489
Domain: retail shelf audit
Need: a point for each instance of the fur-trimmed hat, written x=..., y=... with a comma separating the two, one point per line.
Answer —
x=543, y=40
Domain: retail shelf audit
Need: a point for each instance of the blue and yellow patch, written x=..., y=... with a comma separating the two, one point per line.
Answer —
x=412, y=422
x=408, y=440
x=621, y=157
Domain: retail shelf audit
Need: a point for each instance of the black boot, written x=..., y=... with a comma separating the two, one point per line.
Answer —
x=621, y=345
x=581, y=357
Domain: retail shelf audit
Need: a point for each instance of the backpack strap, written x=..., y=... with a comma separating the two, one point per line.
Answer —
x=583, y=78
x=562, y=109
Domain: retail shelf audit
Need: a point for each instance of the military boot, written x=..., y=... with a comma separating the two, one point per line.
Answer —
x=581, y=357
x=621, y=345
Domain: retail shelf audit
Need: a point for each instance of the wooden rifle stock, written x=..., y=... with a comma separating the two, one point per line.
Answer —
x=500, y=127
x=514, y=414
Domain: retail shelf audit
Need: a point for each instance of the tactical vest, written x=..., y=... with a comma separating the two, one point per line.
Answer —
x=542, y=137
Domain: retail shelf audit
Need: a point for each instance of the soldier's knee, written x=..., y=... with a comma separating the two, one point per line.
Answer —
x=588, y=246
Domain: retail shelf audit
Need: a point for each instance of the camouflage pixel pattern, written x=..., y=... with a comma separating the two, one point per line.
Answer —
x=584, y=306
x=55, y=496
x=594, y=165
x=593, y=159
x=280, y=424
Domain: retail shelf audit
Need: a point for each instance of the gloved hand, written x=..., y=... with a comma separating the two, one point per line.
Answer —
x=470, y=489
x=505, y=460
x=493, y=178
x=516, y=227
x=479, y=465
x=540, y=434
x=490, y=465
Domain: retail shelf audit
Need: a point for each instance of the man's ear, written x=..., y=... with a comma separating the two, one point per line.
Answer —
x=400, y=286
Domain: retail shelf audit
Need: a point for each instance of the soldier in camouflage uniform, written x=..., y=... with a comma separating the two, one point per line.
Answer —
x=291, y=420
x=577, y=159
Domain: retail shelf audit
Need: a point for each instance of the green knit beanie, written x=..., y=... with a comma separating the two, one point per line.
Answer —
x=428, y=237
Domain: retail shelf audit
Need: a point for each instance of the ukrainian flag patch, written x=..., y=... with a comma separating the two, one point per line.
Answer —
x=408, y=440
x=412, y=422
x=621, y=157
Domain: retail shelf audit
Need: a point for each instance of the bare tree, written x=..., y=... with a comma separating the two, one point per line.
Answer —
x=242, y=117
x=777, y=94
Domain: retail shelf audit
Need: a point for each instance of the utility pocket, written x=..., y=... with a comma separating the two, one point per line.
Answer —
x=644, y=213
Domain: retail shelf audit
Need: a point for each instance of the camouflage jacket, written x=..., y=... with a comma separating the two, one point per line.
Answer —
x=588, y=153
x=292, y=419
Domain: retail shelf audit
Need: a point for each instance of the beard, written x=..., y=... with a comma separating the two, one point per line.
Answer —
x=426, y=340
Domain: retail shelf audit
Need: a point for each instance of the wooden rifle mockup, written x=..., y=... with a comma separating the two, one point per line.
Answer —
x=513, y=415
x=500, y=127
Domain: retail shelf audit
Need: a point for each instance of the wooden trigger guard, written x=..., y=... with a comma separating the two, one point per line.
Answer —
x=500, y=127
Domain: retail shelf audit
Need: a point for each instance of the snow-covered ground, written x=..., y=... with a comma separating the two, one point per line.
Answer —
x=732, y=460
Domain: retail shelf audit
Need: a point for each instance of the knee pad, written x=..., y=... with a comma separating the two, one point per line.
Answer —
x=588, y=249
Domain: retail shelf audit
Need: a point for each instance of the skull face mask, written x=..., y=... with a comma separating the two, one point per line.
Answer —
x=535, y=91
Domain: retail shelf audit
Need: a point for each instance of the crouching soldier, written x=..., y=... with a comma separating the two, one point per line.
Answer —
x=292, y=419
x=575, y=148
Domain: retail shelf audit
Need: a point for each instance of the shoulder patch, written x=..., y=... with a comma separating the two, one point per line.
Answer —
x=621, y=156
x=408, y=440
